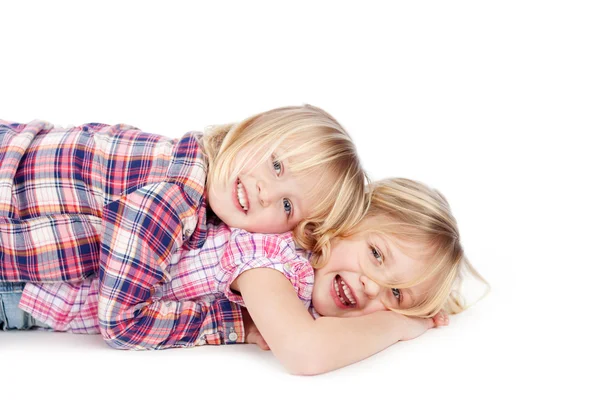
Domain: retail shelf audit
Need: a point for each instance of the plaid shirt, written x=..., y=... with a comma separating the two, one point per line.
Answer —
x=129, y=202
x=200, y=275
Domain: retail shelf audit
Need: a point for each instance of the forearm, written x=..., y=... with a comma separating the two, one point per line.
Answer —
x=54, y=248
x=336, y=342
x=306, y=346
x=69, y=307
x=142, y=232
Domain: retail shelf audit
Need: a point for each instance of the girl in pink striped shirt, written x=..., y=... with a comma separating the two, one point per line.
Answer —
x=397, y=273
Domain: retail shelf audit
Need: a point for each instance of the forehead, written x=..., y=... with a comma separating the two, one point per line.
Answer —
x=404, y=262
x=315, y=183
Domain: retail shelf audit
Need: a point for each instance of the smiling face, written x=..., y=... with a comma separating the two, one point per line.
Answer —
x=264, y=197
x=315, y=181
x=343, y=288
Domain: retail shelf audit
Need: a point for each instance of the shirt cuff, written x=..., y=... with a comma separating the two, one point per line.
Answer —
x=228, y=324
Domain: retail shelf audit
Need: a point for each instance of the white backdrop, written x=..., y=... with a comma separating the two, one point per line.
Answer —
x=496, y=104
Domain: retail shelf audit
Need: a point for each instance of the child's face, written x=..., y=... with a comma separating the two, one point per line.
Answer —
x=263, y=198
x=350, y=259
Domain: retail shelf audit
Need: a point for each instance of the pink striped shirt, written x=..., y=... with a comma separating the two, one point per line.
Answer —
x=203, y=275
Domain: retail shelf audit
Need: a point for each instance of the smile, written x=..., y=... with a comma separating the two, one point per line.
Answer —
x=342, y=294
x=241, y=196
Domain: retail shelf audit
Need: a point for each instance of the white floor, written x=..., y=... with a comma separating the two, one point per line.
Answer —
x=467, y=348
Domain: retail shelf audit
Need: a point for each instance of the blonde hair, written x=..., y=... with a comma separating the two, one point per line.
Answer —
x=412, y=212
x=317, y=145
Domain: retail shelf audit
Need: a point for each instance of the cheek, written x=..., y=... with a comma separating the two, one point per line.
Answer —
x=322, y=281
x=374, y=306
x=268, y=221
x=216, y=193
x=340, y=261
x=214, y=200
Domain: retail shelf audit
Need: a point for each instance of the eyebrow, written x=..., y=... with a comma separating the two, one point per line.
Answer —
x=295, y=200
x=411, y=295
x=388, y=251
x=405, y=291
x=296, y=209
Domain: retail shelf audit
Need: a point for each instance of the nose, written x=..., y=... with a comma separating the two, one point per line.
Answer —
x=264, y=193
x=370, y=287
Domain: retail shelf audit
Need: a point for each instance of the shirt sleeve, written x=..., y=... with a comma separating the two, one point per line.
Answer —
x=49, y=248
x=247, y=251
x=142, y=231
x=73, y=307
x=44, y=248
x=66, y=307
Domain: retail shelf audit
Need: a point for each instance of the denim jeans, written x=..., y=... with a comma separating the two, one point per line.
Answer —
x=11, y=316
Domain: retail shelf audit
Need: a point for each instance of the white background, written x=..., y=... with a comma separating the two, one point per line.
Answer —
x=496, y=104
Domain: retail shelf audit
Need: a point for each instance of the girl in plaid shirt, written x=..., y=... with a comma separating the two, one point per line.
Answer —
x=121, y=203
x=404, y=255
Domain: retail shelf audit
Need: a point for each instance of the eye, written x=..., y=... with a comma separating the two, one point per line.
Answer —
x=277, y=167
x=397, y=294
x=287, y=207
x=377, y=254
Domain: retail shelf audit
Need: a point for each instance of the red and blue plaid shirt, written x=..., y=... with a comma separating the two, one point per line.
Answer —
x=130, y=203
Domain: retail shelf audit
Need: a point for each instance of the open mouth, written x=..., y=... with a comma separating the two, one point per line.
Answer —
x=343, y=293
x=242, y=196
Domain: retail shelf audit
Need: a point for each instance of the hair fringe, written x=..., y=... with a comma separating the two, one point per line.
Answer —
x=312, y=134
x=419, y=214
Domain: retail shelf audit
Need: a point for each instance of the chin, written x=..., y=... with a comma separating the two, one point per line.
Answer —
x=230, y=220
x=319, y=309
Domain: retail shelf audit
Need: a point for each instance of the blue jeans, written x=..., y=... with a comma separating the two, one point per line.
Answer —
x=11, y=316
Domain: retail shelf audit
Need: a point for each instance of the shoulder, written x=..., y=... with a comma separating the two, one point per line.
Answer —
x=254, y=251
x=280, y=246
x=188, y=166
x=279, y=249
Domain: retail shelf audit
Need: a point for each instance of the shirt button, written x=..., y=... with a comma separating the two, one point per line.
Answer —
x=233, y=336
x=188, y=232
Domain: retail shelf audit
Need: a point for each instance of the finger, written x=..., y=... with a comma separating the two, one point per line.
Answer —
x=252, y=338
x=263, y=345
x=441, y=319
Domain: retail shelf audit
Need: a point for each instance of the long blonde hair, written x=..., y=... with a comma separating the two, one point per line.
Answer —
x=319, y=146
x=418, y=214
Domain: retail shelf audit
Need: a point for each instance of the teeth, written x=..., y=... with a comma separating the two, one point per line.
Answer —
x=346, y=290
x=242, y=196
x=348, y=293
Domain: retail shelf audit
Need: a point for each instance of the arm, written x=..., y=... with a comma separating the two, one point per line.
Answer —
x=142, y=232
x=73, y=307
x=69, y=307
x=51, y=248
x=253, y=336
x=41, y=247
x=306, y=346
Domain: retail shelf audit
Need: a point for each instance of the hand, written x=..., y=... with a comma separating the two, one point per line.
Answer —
x=413, y=327
x=252, y=333
x=441, y=319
